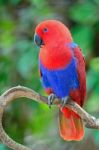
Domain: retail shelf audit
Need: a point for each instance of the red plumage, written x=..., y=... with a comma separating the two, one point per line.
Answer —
x=70, y=118
x=54, y=54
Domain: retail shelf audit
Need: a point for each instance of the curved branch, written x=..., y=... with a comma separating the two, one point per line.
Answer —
x=20, y=91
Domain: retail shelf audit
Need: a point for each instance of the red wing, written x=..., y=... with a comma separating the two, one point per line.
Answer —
x=71, y=126
x=79, y=95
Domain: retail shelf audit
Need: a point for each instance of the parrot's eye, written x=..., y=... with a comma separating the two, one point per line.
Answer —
x=45, y=30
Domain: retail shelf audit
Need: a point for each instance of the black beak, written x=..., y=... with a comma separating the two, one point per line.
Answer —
x=38, y=41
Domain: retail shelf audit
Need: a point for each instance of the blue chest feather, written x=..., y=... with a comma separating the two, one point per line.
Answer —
x=61, y=81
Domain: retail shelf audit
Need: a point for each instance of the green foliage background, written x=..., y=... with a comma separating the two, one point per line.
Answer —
x=25, y=121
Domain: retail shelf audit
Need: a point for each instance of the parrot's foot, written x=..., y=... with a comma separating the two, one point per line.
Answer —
x=51, y=98
x=64, y=101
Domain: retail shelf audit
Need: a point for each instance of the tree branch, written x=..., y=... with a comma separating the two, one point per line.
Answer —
x=20, y=91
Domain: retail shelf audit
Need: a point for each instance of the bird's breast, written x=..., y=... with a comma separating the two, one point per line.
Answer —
x=55, y=58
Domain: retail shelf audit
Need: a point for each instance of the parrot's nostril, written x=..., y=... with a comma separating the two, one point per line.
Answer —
x=38, y=40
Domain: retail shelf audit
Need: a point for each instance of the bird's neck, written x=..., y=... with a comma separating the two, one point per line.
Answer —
x=56, y=57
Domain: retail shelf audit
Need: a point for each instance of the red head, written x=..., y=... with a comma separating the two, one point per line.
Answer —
x=53, y=32
x=52, y=36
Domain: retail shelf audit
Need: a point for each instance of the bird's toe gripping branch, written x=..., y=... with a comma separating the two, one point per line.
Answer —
x=64, y=100
x=51, y=98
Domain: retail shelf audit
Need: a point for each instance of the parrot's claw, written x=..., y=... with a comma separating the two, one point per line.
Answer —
x=64, y=101
x=51, y=98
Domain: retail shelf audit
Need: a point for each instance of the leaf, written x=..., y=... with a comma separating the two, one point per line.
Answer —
x=38, y=3
x=15, y=2
x=93, y=74
x=93, y=85
x=91, y=80
x=92, y=101
x=83, y=36
x=85, y=13
x=97, y=2
x=94, y=64
x=27, y=61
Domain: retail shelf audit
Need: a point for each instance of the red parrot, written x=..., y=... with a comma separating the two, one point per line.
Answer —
x=62, y=72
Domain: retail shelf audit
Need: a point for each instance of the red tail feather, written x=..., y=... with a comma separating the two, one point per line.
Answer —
x=71, y=126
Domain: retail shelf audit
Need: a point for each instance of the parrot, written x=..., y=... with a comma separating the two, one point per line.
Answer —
x=62, y=72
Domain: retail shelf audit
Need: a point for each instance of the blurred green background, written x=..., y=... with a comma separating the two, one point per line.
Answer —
x=26, y=121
